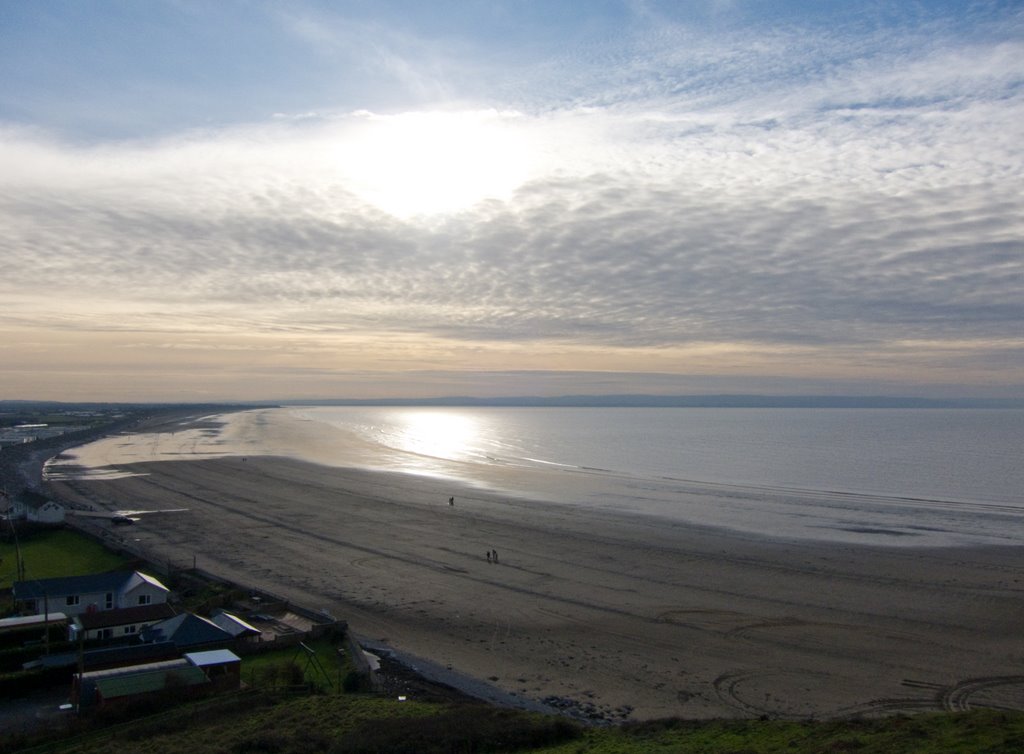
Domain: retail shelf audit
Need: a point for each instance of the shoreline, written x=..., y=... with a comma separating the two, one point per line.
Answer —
x=636, y=617
x=780, y=513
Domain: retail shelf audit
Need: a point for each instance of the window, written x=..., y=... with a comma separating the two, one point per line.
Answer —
x=129, y=629
x=110, y=600
x=72, y=600
x=145, y=599
x=106, y=633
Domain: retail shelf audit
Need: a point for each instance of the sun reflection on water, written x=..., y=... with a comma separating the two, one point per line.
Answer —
x=441, y=433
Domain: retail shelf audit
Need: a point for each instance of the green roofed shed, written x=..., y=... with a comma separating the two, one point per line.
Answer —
x=136, y=684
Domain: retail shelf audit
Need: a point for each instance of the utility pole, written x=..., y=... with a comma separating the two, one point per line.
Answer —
x=19, y=564
x=46, y=621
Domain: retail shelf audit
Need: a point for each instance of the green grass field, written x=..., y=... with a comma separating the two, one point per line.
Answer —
x=325, y=672
x=53, y=553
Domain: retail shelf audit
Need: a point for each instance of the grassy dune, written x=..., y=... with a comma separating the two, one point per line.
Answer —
x=357, y=723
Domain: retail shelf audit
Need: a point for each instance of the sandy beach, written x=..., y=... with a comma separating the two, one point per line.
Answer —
x=637, y=616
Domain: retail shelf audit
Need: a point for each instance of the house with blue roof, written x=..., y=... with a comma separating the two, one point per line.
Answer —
x=188, y=631
x=75, y=595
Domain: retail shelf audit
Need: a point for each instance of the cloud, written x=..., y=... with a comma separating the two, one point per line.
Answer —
x=729, y=190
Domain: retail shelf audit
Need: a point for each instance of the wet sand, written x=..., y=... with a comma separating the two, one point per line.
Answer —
x=623, y=616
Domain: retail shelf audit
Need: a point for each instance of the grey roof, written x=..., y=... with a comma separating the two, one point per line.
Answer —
x=212, y=657
x=234, y=625
x=32, y=499
x=178, y=662
x=111, y=581
x=138, y=577
x=30, y=621
x=125, y=616
x=186, y=630
x=112, y=656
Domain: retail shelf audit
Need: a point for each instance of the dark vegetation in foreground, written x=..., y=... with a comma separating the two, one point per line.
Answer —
x=290, y=722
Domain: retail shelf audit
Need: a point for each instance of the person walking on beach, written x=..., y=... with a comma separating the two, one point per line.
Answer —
x=494, y=554
x=451, y=500
x=488, y=556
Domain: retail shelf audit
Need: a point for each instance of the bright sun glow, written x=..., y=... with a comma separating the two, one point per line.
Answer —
x=439, y=434
x=428, y=163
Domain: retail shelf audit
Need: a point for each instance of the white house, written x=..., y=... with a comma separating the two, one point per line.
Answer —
x=74, y=595
x=117, y=623
x=32, y=506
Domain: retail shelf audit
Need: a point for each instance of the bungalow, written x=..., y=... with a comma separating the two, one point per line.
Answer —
x=37, y=508
x=187, y=631
x=118, y=623
x=75, y=595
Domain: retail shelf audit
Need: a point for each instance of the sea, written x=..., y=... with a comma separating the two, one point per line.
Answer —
x=893, y=477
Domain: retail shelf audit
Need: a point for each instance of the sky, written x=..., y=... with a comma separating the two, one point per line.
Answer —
x=256, y=200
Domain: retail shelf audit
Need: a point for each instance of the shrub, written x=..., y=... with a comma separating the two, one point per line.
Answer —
x=354, y=682
x=283, y=673
x=271, y=743
x=467, y=728
x=293, y=741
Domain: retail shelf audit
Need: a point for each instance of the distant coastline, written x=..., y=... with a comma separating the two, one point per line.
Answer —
x=616, y=400
x=21, y=466
x=679, y=401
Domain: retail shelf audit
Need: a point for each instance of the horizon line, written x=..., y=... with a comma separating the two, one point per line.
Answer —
x=610, y=400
